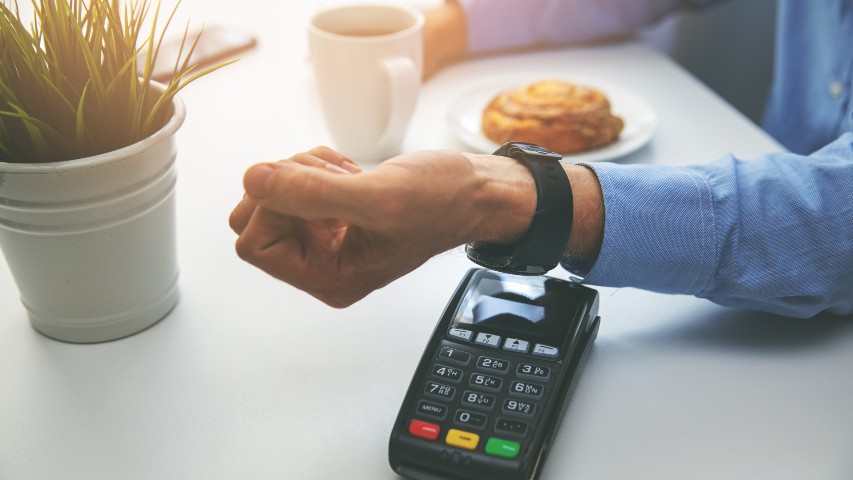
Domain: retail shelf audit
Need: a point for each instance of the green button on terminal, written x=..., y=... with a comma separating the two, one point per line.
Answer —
x=502, y=448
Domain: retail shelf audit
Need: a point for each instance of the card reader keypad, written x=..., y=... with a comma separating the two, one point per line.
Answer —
x=489, y=390
x=479, y=402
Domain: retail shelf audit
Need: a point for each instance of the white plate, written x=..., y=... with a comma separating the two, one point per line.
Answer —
x=466, y=111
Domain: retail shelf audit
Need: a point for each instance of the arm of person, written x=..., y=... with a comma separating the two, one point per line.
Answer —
x=461, y=27
x=339, y=234
x=773, y=233
x=770, y=234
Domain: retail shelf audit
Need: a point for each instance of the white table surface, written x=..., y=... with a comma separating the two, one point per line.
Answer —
x=250, y=378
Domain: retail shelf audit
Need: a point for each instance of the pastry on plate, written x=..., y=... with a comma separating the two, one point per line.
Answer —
x=561, y=116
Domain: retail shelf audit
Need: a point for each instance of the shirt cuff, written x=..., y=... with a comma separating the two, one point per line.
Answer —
x=659, y=231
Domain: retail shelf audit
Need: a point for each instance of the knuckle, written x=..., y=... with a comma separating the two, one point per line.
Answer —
x=294, y=189
x=299, y=156
x=238, y=218
x=338, y=303
x=334, y=293
x=284, y=184
x=244, y=248
x=321, y=150
x=232, y=221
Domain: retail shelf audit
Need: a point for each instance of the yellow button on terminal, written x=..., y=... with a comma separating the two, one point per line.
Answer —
x=462, y=439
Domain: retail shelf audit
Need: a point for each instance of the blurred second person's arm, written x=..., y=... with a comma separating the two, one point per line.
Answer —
x=458, y=28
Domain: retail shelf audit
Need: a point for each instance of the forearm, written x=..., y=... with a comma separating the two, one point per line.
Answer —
x=773, y=234
x=785, y=231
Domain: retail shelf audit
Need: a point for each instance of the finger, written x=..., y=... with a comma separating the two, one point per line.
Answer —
x=323, y=157
x=241, y=214
x=312, y=161
x=281, y=247
x=265, y=230
x=289, y=188
x=335, y=157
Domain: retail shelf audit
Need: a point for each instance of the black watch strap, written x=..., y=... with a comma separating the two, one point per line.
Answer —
x=542, y=246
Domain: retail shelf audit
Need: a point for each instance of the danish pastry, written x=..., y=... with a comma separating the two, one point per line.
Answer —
x=561, y=116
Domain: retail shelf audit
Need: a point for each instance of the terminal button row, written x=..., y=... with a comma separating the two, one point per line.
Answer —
x=496, y=447
x=510, y=344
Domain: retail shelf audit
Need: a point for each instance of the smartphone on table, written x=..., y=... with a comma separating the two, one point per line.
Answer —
x=216, y=44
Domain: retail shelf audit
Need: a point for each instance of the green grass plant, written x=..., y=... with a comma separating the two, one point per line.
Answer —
x=76, y=81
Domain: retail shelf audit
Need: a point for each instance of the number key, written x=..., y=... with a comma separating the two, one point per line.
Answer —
x=519, y=408
x=533, y=372
x=439, y=390
x=485, y=381
x=494, y=365
x=450, y=373
x=526, y=389
x=470, y=419
x=455, y=355
x=478, y=400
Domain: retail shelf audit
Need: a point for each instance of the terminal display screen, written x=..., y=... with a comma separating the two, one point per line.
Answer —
x=536, y=307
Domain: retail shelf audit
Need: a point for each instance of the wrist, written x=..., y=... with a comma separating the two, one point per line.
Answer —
x=505, y=202
x=588, y=213
x=504, y=199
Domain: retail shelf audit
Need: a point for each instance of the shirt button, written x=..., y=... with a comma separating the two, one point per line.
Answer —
x=836, y=89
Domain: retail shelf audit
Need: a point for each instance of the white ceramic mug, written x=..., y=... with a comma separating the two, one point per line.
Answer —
x=367, y=62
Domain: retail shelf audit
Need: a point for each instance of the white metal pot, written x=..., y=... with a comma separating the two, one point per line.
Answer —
x=91, y=242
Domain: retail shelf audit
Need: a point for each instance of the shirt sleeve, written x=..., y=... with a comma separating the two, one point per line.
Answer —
x=504, y=24
x=773, y=233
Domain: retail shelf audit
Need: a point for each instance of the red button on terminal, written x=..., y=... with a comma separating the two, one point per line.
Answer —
x=425, y=430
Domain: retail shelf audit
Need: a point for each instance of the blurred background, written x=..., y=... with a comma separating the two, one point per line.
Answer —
x=729, y=46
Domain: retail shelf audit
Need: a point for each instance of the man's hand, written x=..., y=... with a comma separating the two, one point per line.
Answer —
x=315, y=221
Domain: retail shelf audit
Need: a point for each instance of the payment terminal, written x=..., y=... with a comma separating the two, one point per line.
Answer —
x=495, y=378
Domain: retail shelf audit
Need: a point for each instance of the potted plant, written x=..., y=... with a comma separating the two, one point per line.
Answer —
x=87, y=171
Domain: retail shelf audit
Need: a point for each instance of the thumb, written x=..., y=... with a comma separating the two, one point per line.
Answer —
x=289, y=188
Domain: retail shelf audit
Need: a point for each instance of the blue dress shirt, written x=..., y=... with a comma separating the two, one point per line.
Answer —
x=773, y=233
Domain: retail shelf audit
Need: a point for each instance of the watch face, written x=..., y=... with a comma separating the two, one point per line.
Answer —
x=526, y=270
x=490, y=255
x=513, y=148
x=498, y=257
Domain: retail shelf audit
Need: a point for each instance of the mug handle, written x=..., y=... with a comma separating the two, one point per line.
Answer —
x=404, y=80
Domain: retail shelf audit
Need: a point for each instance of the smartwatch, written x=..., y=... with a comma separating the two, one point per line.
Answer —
x=542, y=246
